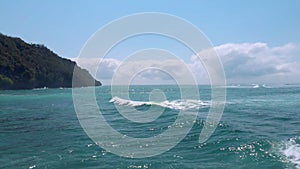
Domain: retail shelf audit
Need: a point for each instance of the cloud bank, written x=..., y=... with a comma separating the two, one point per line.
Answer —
x=259, y=63
x=243, y=63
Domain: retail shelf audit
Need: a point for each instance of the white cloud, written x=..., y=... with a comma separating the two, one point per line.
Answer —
x=107, y=68
x=243, y=63
x=259, y=63
x=104, y=68
x=154, y=71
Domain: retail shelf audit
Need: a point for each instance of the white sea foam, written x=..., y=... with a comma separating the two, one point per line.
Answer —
x=291, y=151
x=255, y=86
x=245, y=86
x=42, y=88
x=233, y=86
x=31, y=167
x=175, y=104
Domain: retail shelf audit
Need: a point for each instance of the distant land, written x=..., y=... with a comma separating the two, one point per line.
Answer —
x=28, y=66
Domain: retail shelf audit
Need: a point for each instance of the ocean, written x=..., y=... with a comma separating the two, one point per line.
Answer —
x=260, y=128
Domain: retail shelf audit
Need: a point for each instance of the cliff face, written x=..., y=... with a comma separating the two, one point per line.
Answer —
x=28, y=66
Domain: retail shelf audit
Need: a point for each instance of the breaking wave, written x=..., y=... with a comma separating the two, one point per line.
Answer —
x=174, y=104
x=291, y=151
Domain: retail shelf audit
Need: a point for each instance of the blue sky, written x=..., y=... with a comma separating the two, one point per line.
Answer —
x=65, y=26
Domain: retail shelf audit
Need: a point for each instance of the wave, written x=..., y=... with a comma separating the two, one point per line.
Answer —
x=259, y=86
x=245, y=86
x=255, y=86
x=175, y=104
x=42, y=88
x=291, y=151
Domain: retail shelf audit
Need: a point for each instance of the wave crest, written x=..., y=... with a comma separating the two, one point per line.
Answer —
x=174, y=104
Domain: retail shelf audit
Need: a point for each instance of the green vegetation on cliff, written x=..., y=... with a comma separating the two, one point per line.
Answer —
x=28, y=66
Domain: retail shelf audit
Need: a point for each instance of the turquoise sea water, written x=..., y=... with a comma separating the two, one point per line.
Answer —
x=260, y=128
